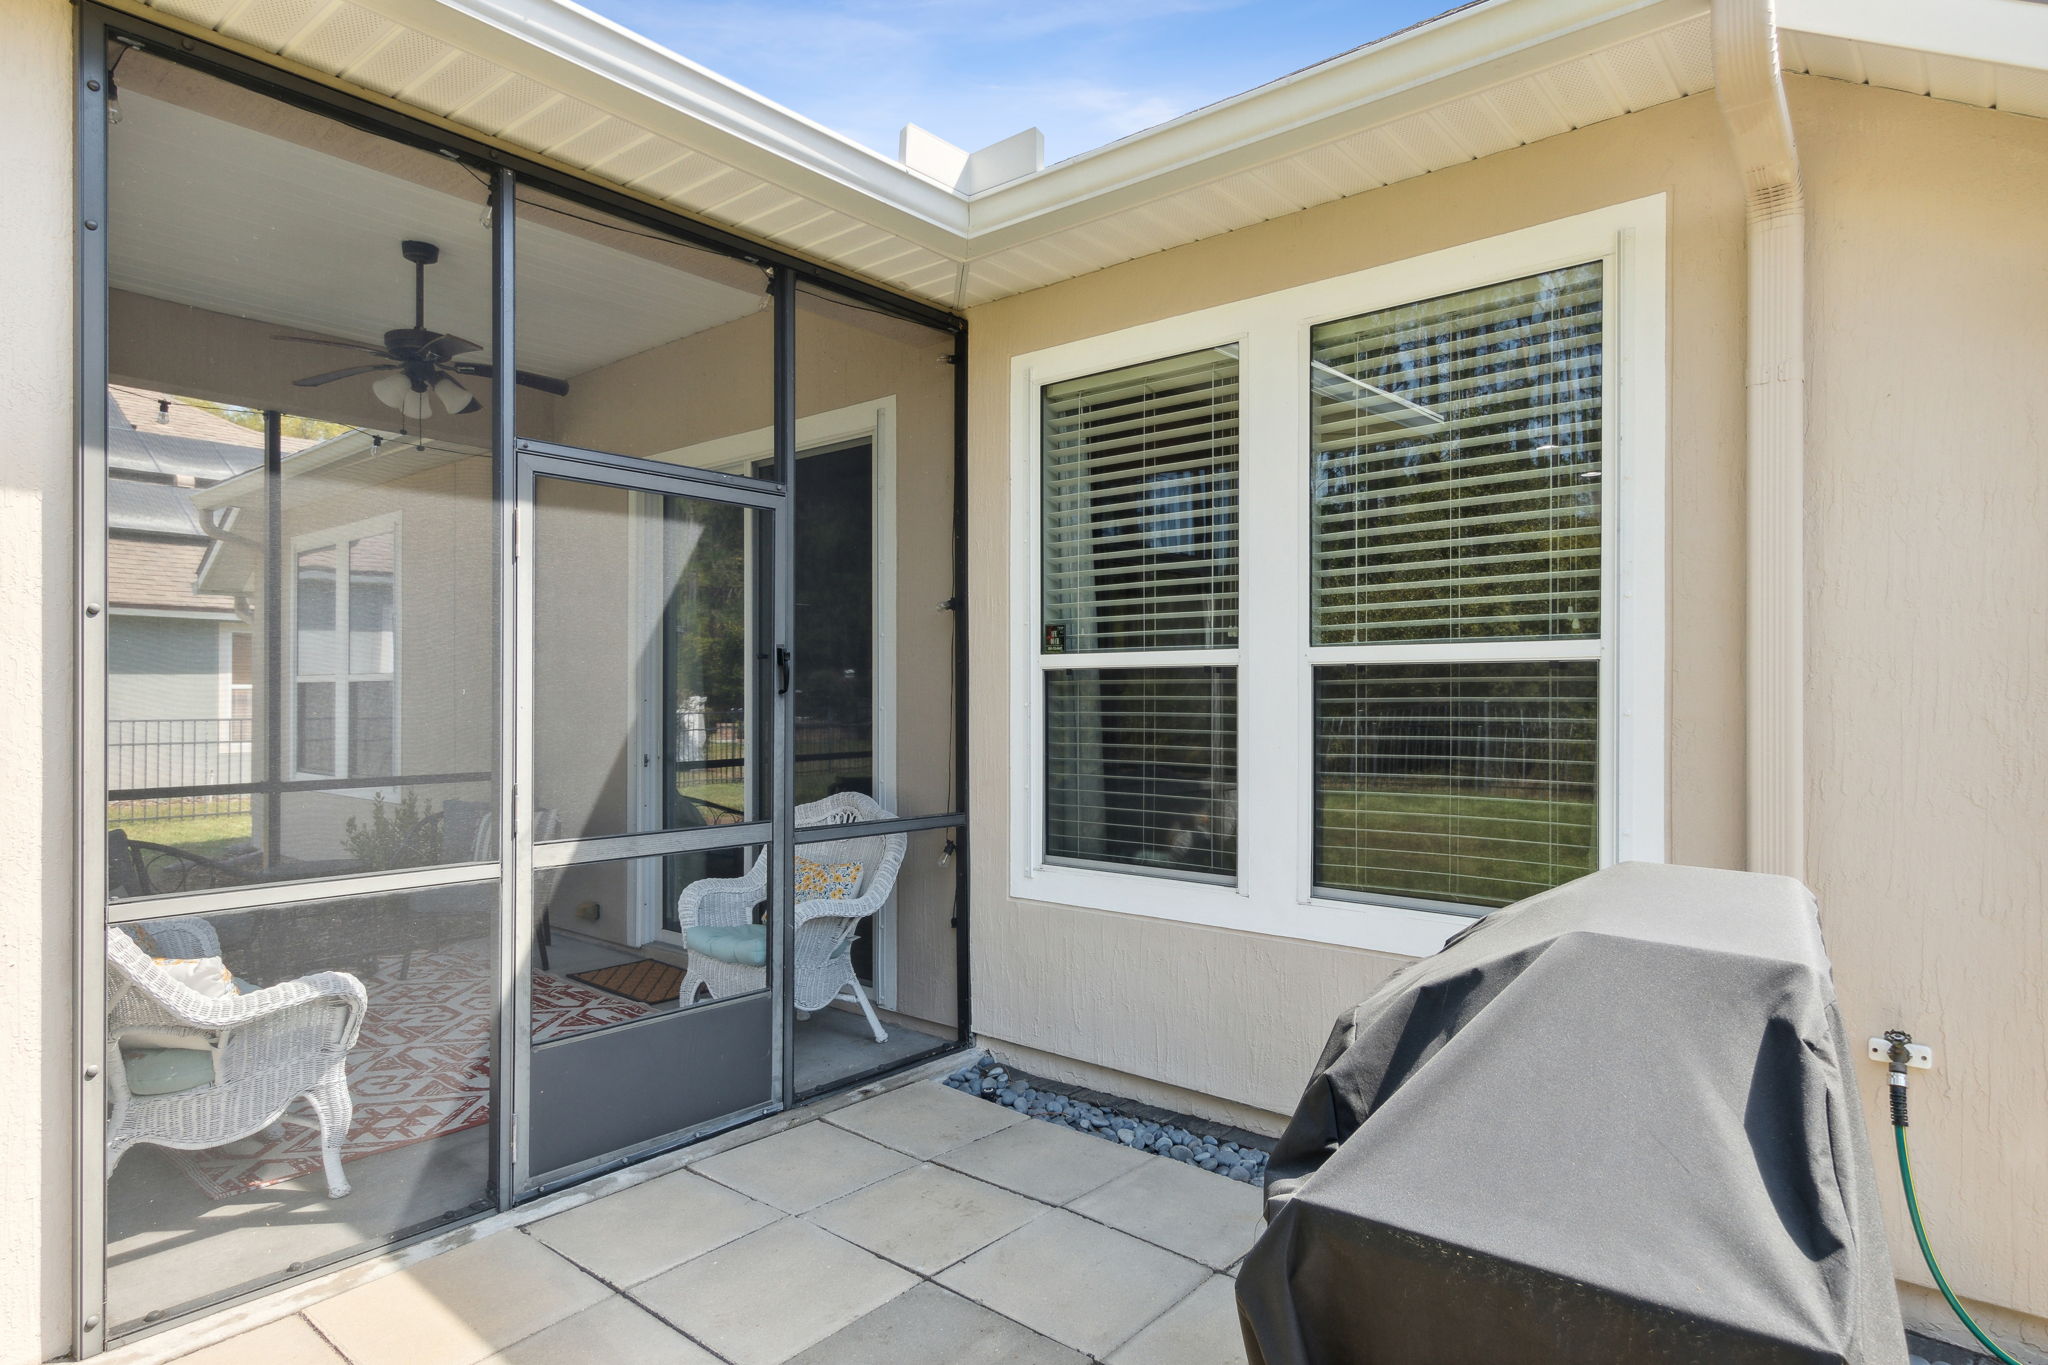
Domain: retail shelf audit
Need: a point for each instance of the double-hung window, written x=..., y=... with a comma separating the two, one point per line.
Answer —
x=345, y=652
x=1138, y=617
x=1344, y=605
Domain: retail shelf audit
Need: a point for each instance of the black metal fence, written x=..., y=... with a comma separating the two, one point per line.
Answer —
x=154, y=754
x=712, y=751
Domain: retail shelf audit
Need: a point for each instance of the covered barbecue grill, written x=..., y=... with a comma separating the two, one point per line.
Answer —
x=1613, y=1123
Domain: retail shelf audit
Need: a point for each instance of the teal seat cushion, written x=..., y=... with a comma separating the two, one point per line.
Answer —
x=743, y=945
x=167, y=1070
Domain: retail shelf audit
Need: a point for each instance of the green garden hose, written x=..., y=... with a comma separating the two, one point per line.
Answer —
x=1898, y=1088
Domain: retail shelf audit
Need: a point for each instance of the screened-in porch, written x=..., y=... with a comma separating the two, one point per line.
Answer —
x=526, y=673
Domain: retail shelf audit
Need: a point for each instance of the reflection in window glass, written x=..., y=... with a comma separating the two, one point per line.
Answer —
x=316, y=726
x=1457, y=466
x=372, y=604
x=1475, y=784
x=1141, y=769
x=314, y=609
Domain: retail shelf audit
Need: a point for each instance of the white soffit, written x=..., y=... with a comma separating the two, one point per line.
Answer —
x=551, y=79
x=1988, y=53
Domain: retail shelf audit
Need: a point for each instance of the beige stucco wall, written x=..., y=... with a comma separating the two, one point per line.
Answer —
x=1927, y=648
x=1239, y=1016
x=36, y=756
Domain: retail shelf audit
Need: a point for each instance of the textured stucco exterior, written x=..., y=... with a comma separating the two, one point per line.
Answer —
x=37, y=925
x=1241, y=1016
x=1927, y=650
x=1927, y=524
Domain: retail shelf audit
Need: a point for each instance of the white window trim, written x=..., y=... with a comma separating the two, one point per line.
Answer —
x=339, y=537
x=1274, y=660
x=873, y=421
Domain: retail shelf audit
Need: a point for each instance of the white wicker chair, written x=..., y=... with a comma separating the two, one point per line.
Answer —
x=269, y=1047
x=824, y=928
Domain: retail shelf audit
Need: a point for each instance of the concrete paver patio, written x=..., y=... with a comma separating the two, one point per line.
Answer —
x=918, y=1225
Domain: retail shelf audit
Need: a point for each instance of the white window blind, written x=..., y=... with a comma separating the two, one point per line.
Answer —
x=1457, y=465
x=1141, y=768
x=1139, y=510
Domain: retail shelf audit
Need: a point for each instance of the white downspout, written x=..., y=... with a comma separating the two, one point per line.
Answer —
x=1752, y=94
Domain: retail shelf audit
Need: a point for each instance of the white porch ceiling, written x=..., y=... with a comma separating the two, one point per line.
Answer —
x=556, y=82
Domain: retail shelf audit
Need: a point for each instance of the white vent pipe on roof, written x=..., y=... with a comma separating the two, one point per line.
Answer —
x=1751, y=90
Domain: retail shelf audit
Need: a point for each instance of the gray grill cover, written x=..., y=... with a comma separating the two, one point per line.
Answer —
x=1614, y=1122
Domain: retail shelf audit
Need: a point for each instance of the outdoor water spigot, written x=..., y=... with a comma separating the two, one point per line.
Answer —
x=1898, y=1055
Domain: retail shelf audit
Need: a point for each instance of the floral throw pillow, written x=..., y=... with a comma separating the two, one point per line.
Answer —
x=208, y=976
x=816, y=881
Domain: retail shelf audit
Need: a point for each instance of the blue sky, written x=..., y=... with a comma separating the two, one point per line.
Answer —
x=973, y=71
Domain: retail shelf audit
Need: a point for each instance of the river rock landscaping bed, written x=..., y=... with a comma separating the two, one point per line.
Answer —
x=1229, y=1152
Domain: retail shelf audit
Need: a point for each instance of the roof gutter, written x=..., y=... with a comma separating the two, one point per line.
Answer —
x=1752, y=95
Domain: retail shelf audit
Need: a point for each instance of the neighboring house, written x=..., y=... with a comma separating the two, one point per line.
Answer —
x=179, y=680
x=1207, y=572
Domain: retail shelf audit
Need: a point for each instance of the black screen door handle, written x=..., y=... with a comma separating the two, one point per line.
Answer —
x=781, y=671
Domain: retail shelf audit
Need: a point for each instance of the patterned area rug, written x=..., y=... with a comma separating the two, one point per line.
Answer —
x=420, y=1069
x=643, y=979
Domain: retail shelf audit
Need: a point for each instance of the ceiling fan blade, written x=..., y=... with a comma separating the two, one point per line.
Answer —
x=545, y=383
x=345, y=345
x=314, y=380
x=447, y=346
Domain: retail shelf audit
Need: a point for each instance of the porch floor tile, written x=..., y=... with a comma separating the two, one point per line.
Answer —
x=1044, y=1161
x=616, y=1330
x=1182, y=1208
x=800, y=1168
x=1080, y=1283
x=925, y=1120
x=639, y=1232
x=815, y=1245
x=926, y=1218
x=927, y=1325
x=458, y=1307
x=760, y=1300
x=1201, y=1329
x=288, y=1341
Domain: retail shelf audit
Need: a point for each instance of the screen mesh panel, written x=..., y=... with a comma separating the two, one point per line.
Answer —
x=1457, y=464
x=1141, y=768
x=1469, y=783
x=1140, y=510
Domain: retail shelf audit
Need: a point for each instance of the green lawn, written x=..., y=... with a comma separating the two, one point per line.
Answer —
x=1484, y=850
x=210, y=836
x=809, y=787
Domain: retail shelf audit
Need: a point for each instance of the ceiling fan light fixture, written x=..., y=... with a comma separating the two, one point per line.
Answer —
x=396, y=391
x=454, y=397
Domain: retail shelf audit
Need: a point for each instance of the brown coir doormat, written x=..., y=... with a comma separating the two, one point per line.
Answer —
x=642, y=979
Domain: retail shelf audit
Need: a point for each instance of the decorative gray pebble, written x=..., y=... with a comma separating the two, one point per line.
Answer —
x=984, y=1078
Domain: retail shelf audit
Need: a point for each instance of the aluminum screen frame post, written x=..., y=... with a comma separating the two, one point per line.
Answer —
x=963, y=882
x=782, y=710
x=89, y=1195
x=514, y=1007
